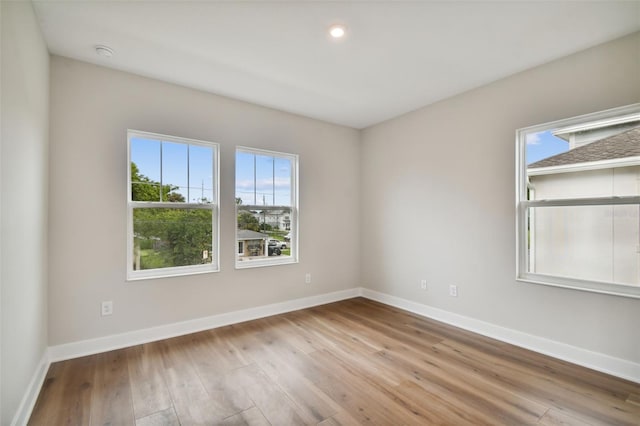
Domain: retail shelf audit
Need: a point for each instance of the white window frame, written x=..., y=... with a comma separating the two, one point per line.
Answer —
x=293, y=243
x=214, y=206
x=608, y=117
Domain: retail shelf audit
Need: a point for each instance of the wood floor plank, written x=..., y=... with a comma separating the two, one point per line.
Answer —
x=313, y=405
x=213, y=365
x=50, y=395
x=440, y=407
x=427, y=369
x=149, y=391
x=339, y=419
x=166, y=417
x=555, y=417
x=189, y=396
x=66, y=397
x=277, y=408
x=367, y=400
x=589, y=403
x=111, y=402
x=351, y=347
x=251, y=417
x=386, y=325
x=351, y=362
x=290, y=333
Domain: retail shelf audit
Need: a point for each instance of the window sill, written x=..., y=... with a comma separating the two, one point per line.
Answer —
x=259, y=263
x=169, y=273
x=611, y=289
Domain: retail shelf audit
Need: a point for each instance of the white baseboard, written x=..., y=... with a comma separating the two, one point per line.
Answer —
x=593, y=360
x=118, y=341
x=33, y=390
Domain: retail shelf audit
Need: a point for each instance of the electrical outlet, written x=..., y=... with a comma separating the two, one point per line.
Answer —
x=423, y=284
x=307, y=278
x=107, y=308
x=453, y=290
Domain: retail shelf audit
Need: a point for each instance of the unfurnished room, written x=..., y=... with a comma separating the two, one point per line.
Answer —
x=319, y=212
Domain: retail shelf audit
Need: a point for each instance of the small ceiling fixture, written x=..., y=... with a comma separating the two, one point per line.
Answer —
x=337, y=31
x=105, y=51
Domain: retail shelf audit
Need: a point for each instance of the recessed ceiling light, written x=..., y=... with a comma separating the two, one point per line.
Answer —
x=337, y=31
x=105, y=51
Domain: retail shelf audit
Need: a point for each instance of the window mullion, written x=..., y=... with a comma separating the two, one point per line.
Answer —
x=160, y=197
x=596, y=201
x=169, y=205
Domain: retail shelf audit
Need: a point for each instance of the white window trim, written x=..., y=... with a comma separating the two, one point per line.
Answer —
x=293, y=243
x=608, y=117
x=133, y=275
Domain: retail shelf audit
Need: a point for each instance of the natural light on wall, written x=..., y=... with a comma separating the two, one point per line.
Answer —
x=578, y=202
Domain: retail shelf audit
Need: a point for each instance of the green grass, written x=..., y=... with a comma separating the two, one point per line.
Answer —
x=151, y=259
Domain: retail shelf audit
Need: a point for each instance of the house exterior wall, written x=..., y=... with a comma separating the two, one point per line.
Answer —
x=598, y=243
x=251, y=248
x=280, y=221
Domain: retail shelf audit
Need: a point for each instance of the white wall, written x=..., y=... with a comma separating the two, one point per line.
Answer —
x=23, y=182
x=91, y=109
x=438, y=201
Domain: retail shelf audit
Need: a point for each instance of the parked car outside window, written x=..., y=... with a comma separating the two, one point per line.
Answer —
x=277, y=243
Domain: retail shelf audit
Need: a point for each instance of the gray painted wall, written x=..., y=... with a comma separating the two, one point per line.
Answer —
x=91, y=109
x=438, y=201
x=23, y=200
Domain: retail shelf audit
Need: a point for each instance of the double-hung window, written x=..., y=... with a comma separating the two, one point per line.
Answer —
x=172, y=210
x=578, y=202
x=266, y=208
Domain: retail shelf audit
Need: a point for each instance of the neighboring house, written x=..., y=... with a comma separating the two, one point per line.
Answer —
x=562, y=239
x=278, y=219
x=251, y=243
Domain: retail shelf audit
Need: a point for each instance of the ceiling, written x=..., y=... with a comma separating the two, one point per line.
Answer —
x=396, y=57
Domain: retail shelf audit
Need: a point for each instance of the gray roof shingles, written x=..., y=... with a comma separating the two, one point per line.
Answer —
x=622, y=145
x=245, y=234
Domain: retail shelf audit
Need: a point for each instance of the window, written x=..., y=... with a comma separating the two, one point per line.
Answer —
x=578, y=202
x=266, y=208
x=172, y=206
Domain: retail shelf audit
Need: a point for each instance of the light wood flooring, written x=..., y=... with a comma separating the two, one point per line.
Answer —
x=347, y=363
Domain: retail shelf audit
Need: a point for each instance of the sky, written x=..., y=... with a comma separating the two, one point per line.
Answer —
x=260, y=179
x=542, y=145
x=190, y=167
x=263, y=180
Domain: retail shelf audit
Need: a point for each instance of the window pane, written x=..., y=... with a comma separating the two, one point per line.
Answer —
x=165, y=238
x=584, y=161
x=174, y=172
x=200, y=174
x=283, y=182
x=596, y=243
x=265, y=180
x=245, y=187
x=263, y=233
x=145, y=169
